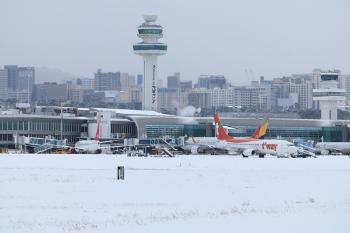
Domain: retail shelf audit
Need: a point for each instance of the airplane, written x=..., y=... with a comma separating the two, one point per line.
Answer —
x=94, y=146
x=213, y=143
x=253, y=146
x=327, y=148
x=203, y=145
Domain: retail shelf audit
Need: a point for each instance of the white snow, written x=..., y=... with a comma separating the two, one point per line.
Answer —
x=80, y=193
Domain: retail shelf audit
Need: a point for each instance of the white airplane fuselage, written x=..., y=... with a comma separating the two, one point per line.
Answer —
x=261, y=146
x=272, y=147
x=88, y=146
x=329, y=147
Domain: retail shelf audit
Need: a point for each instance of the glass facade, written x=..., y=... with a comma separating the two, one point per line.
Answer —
x=38, y=127
x=199, y=130
x=329, y=134
x=329, y=77
x=75, y=128
x=122, y=130
x=159, y=131
x=320, y=94
x=150, y=47
x=150, y=30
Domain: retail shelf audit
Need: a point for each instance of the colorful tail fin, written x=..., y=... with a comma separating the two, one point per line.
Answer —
x=222, y=134
x=261, y=130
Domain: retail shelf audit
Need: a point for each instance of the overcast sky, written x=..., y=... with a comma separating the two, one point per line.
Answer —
x=239, y=39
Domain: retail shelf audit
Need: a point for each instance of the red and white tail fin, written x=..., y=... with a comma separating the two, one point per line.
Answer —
x=97, y=136
x=222, y=134
x=194, y=141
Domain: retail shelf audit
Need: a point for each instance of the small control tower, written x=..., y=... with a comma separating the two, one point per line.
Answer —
x=150, y=32
x=328, y=94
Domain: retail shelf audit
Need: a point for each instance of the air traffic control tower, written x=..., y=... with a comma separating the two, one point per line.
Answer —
x=150, y=32
x=328, y=93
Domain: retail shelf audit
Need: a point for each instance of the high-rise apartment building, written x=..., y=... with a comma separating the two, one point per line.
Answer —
x=139, y=80
x=200, y=98
x=186, y=86
x=212, y=81
x=51, y=92
x=107, y=81
x=222, y=97
x=174, y=81
x=304, y=91
x=345, y=84
x=3, y=85
x=20, y=82
x=12, y=73
x=126, y=81
x=168, y=99
x=87, y=83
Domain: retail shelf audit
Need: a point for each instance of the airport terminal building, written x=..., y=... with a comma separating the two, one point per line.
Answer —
x=75, y=123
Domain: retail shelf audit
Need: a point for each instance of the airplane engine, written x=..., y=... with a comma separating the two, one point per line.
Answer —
x=98, y=151
x=248, y=152
x=325, y=152
x=194, y=150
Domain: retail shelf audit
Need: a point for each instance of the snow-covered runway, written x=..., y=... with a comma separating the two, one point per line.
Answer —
x=80, y=193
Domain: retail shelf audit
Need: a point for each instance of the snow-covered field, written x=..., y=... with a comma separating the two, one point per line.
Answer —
x=80, y=193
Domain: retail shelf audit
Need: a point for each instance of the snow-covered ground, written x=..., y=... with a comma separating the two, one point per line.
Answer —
x=80, y=193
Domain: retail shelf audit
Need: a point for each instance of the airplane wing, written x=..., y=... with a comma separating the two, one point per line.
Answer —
x=106, y=142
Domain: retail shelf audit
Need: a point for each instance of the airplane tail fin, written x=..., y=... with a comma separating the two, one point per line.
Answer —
x=97, y=135
x=261, y=130
x=222, y=134
x=194, y=140
x=216, y=118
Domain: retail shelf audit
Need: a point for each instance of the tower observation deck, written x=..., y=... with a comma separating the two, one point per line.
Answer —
x=150, y=32
x=328, y=94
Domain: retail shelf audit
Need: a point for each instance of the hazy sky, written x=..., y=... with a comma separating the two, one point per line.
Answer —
x=239, y=39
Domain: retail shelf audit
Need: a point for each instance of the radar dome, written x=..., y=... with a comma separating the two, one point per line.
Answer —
x=150, y=17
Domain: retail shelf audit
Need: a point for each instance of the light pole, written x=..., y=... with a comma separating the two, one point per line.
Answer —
x=61, y=123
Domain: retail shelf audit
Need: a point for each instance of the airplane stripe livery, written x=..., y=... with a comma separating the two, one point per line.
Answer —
x=245, y=146
x=222, y=135
x=251, y=146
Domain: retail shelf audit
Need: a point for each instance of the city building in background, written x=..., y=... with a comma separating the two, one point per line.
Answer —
x=296, y=93
x=186, y=86
x=169, y=100
x=20, y=83
x=212, y=81
x=3, y=85
x=50, y=92
x=139, y=81
x=87, y=83
x=174, y=81
x=107, y=80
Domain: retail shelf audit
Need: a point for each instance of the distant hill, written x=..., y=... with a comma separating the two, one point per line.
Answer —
x=44, y=74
